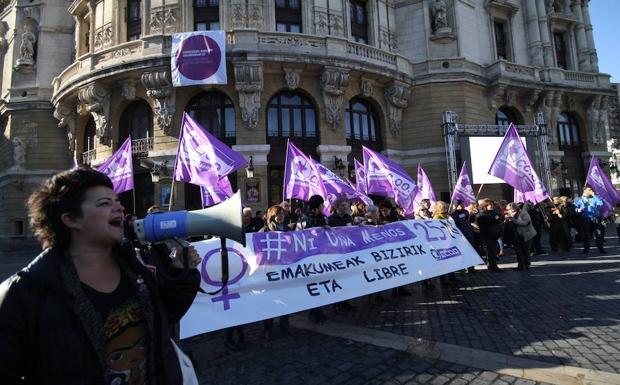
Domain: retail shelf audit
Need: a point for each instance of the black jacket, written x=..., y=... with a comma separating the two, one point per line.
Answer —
x=50, y=333
x=490, y=225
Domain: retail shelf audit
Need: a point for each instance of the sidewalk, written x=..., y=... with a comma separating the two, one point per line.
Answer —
x=558, y=323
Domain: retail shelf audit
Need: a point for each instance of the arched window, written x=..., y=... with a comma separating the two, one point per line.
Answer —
x=568, y=131
x=137, y=121
x=504, y=116
x=290, y=115
x=359, y=21
x=216, y=113
x=362, y=128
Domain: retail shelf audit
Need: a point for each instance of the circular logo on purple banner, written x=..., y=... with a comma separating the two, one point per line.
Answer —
x=198, y=57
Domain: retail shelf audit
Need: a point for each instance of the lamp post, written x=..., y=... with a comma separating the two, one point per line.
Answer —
x=249, y=171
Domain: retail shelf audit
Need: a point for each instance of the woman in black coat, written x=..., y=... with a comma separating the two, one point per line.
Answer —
x=86, y=310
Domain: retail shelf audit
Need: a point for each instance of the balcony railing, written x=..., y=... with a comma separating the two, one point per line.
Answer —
x=89, y=156
x=140, y=147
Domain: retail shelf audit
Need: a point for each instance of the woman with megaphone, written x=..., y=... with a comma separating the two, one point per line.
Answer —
x=86, y=311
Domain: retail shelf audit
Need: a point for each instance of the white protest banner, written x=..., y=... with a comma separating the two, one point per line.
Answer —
x=285, y=272
x=198, y=58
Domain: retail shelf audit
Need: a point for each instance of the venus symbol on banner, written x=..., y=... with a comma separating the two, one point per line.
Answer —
x=597, y=178
x=226, y=297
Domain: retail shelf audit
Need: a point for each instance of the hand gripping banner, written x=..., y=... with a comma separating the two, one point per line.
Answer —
x=286, y=272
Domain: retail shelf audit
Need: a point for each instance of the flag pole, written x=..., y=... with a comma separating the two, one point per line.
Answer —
x=133, y=193
x=171, y=195
x=479, y=190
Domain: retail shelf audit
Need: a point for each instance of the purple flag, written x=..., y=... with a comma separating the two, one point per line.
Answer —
x=336, y=187
x=425, y=187
x=539, y=194
x=385, y=177
x=463, y=191
x=602, y=186
x=512, y=164
x=196, y=160
x=203, y=159
x=213, y=195
x=301, y=178
x=360, y=177
x=119, y=168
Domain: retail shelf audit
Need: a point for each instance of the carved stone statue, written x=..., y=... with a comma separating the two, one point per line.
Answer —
x=26, y=48
x=439, y=11
x=19, y=153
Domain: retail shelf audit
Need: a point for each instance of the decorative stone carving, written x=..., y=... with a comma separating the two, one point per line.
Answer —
x=510, y=98
x=164, y=17
x=66, y=115
x=26, y=60
x=366, y=87
x=547, y=105
x=393, y=41
x=593, y=115
x=239, y=15
x=255, y=16
x=19, y=153
x=103, y=36
x=334, y=82
x=159, y=89
x=397, y=97
x=292, y=78
x=530, y=98
x=495, y=96
x=128, y=89
x=321, y=22
x=335, y=24
x=94, y=98
x=4, y=44
x=439, y=13
x=249, y=85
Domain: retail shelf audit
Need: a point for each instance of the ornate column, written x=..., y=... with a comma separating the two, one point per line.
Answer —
x=544, y=34
x=582, y=44
x=94, y=98
x=585, y=11
x=249, y=85
x=534, y=44
x=334, y=82
x=159, y=89
x=397, y=97
x=146, y=17
x=91, y=35
x=67, y=119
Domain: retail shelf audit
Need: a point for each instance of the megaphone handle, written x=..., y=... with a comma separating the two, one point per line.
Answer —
x=224, y=255
x=224, y=261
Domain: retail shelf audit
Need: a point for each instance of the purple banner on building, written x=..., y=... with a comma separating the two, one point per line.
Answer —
x=198, y=58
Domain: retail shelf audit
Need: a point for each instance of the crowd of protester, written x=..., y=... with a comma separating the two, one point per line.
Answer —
x=491, y=228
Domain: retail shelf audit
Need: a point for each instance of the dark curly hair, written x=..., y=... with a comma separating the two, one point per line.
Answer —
x=62, y=193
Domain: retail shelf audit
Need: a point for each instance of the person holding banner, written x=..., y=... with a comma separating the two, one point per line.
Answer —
x=86, y=311
x=588, y=207
x=276, y=221
x=314, y=217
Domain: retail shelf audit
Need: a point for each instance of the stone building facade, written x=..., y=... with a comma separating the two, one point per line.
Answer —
x=331, y=75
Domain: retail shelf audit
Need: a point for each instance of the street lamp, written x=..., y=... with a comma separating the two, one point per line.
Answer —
x=339, y=165
x=249, y=171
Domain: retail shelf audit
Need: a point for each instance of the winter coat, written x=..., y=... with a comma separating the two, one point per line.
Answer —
x=525, y=229
x=50, y=332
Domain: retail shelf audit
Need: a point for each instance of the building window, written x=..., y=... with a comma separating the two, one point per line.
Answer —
x=216, y=113
x=290, y=115
x=362, y=128
x=501, y=39
x=134, y=20
x=503, y=117
x=137, y=121
x=568, y=131
x=288, y=16
x=206, y=15
x=561, y=52
x=90, y=133
x=359, y=21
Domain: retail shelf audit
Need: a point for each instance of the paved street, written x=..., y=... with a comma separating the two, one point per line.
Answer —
x=551, y=324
